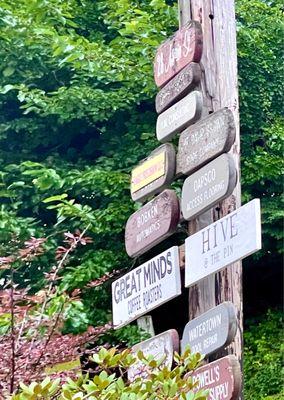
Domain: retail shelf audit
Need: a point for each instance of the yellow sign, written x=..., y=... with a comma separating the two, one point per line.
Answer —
x=65, y=366
x=148, y=172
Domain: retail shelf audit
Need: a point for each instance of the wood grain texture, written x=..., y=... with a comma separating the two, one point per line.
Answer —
x=185, y=81
x=152, y=224
x=205, y=140
x=149, y=184
x=175, y=53
x=220, y=89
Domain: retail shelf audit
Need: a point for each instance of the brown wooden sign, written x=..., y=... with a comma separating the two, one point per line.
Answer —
x=185, y=81
x=211, y=331
x=153, y=223
x=183, y=47
x=154, y=173
x=209, y=185
x=182, y=114
x=222, y=378
x=160, y=347
x=205, y=140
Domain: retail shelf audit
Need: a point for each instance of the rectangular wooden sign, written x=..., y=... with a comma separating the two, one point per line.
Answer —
x=146, y=287
x=222, y=378
x=152, y=224
x=182, y=114
x=160, y=347
x=208, y=186
x=154, y=173
x=211, y=331
x=183, y=47
x=185, y=81
x=233, y=237
x=205, y=140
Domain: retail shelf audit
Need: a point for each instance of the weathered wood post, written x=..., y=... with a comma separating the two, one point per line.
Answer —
x=219, y=86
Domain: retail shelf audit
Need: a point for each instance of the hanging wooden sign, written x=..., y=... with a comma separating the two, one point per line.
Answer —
x=185, y=81
x=205, y=140
x=154, y=173
x=209, y=185
x=182, y=114
x=211, y=331
x=233, y=237
x=222, y=378
x=146, y=287
x=153, y=223
x=160, y=347
x=183, y=47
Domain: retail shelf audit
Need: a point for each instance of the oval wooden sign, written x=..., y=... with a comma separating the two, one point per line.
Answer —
x=211, y=331
x=186, y=80
x=153, y=223
x=222, y=378
x=205, y=140
x=183, y=47
x=160, y=347
x=209, y=185
x=154, y=173
x=179, y=116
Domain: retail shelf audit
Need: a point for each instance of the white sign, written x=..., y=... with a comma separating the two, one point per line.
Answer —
x=161, y=347
x=146, y=287
x=233, y=237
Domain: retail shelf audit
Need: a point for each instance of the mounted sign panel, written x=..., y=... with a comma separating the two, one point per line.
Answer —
x=186, y=80
x=205, y=140
x=183, y=47
x=176, y=118
x=152, y=224
x=222, y=378
x=146, y=287
x=154, y=173
x=211, y=331
x=160, y=347
x=233, y=237
x=209, y=185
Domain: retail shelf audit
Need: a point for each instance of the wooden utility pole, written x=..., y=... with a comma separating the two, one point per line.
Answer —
x=219, y=87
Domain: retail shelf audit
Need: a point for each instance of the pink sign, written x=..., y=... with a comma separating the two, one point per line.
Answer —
x=183, y=47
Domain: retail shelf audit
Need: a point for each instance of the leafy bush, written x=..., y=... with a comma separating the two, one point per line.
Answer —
x=263, y=359
x=110, y=383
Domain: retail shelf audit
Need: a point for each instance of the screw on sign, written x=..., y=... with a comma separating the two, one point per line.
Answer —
x=182, y=114
x=207, y=186
x=211, y=331
x=160, y=347
x=231, y=238
x=154, y=173
x=222, y=378
x=205, y=140
x=186, y=80
x=183, y=47
x=153, y=223
x=146, y=287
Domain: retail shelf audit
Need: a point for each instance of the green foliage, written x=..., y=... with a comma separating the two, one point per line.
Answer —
x=263, y=361
x=160, y=384
x=77, y=113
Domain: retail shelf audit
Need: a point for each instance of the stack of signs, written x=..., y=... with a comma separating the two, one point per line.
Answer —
x=178, y=73
x=161, y=347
